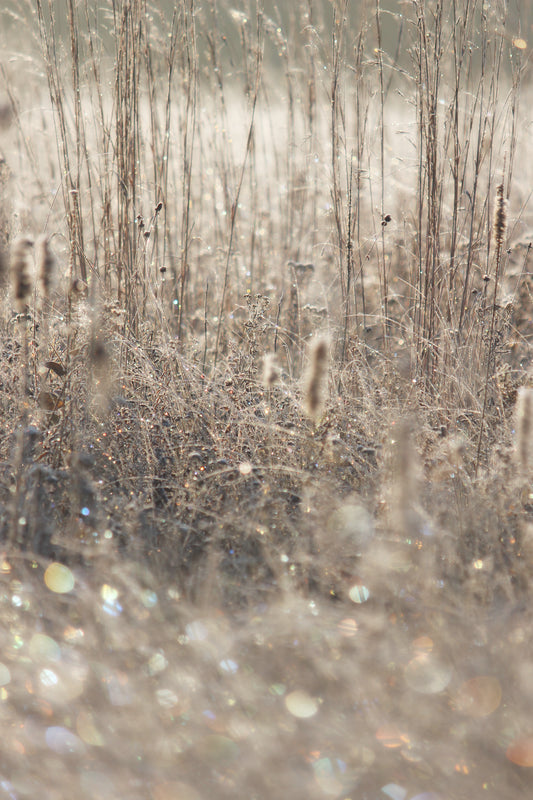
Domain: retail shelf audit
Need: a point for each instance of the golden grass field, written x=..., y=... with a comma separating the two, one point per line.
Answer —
x=266, y=502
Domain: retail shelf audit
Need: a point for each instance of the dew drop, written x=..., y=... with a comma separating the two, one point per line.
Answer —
x=43, y=648
x=58, y=578
x=358, y=594
x=300, y=704
x=5, y=675
x=520, y=751
x=63, y=741
x=394, y=792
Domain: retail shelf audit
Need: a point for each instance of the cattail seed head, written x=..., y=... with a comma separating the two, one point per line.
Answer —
x=45, y=263
x=6, y=114
x=524, y=426
x=317, y=376
x=500, y=217
x=101, y=369
x=98, y=354
x=21, y=272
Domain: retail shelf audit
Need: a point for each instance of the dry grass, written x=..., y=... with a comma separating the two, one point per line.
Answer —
x=265, y=486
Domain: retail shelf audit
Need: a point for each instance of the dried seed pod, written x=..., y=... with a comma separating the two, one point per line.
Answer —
x=55, y=366
x=21, y=272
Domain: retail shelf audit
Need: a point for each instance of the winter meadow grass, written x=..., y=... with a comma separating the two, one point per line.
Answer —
x=266, y=404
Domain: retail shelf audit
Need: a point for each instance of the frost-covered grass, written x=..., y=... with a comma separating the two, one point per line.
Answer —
x=266, y=405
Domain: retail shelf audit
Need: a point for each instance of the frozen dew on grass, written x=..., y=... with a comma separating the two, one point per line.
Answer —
x=410, y=685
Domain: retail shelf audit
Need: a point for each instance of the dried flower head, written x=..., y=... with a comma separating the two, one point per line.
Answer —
x=21, y=272
x=317, y=375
